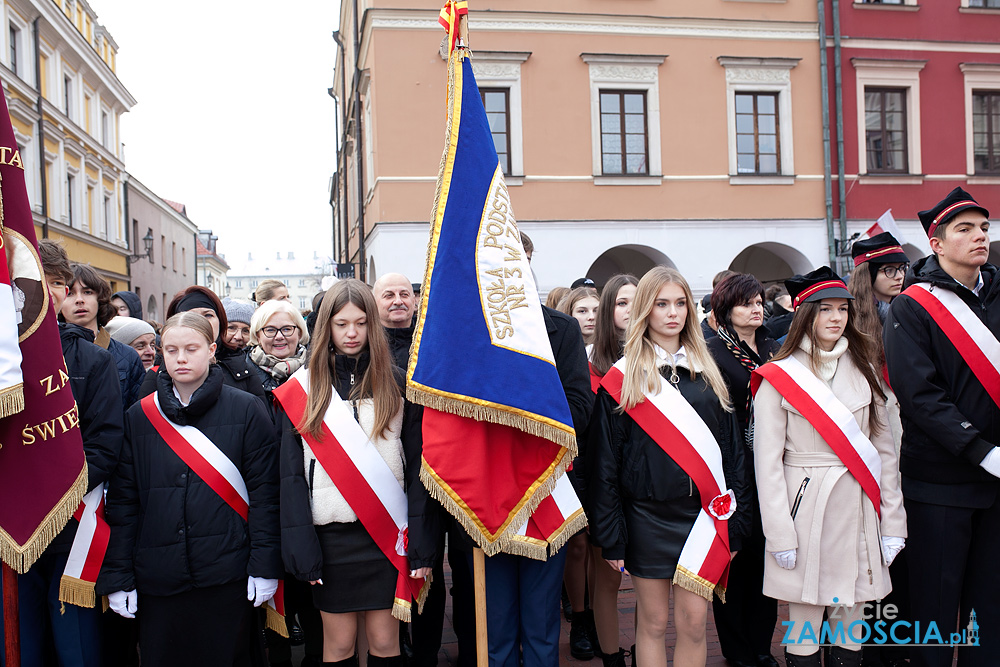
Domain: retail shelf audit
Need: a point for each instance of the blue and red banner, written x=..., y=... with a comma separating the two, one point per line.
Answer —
x=498, y=431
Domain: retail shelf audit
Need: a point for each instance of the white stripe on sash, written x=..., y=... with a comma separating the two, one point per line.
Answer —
x=843, y=418
x=84, y=534
x=978, y=332
x=209, y=451
x=565, y=499
x=339, y=418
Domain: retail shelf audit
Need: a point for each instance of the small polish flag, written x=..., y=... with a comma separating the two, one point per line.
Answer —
x=886, y=223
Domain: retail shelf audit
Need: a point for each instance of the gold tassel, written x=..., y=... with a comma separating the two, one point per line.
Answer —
x=77, y=592
x=276, y=621
x=698, y=585
x=572, y=526
x=528, y=547
x=495, y=416
x=21, y=558
x=424, y=591
x=401, y=610
x=11, y=400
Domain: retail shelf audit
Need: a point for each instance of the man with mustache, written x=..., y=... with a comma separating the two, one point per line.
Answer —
x=396, y=307
x=943, y=358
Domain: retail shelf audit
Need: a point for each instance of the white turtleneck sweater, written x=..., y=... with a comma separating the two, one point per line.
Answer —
x=826, y=365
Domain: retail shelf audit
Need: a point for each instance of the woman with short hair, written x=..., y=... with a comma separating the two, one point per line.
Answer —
x=278, y=339
x=746, y=621
x=667, y=498
x=193, y=510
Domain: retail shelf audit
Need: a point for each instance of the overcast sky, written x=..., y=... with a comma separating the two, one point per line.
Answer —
x=233, y=117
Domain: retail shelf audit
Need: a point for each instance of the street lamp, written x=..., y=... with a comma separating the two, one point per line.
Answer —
x=147, y=243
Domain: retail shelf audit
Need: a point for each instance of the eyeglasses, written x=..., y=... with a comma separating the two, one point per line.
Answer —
x=890, y=271
x=271, y=332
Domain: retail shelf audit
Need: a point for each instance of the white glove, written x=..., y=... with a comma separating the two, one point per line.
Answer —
x=261, y=590
x=891, y=546
x=786, y=559
x=991, y=463
x=124, y=603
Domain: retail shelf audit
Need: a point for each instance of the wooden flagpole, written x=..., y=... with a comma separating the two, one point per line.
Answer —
x=11, y=620
x=479, y=579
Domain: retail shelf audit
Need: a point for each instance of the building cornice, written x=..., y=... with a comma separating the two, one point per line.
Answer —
x=156, y=200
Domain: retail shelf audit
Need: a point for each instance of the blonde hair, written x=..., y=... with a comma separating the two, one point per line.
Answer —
x=641, y=372
x=271, y=308
x=555, y=296
x=189, y=320
x=265, y=290
x=379, y=380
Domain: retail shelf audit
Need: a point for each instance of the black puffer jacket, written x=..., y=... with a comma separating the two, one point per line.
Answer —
x=625, y=464
x=170, y=532
x=299, y=543
x=950, y=423
x=238, y=373
x=94, y=383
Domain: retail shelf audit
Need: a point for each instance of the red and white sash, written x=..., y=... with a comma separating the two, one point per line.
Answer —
x=834, y=422
x=201, y=455
x=666, y=417
x=556, y=519
x=364, y=479
x=87, y=553
x=971, y=337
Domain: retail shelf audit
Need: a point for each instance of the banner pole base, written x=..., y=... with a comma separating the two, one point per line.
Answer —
x=482, y=637
x=11, y=619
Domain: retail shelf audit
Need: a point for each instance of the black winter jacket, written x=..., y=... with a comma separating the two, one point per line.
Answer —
x=950, y=423
x=736, y=375
x=299, y=542
x=133, y=302
x=400, y=340
x=238, y=373
x=94, y=383
x=130, y=371
x=625, y=463
x=170, y=532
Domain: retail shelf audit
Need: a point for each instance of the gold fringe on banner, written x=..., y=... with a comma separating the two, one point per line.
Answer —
x=11, y=400
x=77, y=591
x=21, y=558
x=493, y=543
x=275, y=621
x=690, y=581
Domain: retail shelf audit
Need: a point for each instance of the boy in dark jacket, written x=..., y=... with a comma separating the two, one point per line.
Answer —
x=75, y=631
x=951, y=428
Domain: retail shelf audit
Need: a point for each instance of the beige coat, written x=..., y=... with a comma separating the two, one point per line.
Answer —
x=836, y=530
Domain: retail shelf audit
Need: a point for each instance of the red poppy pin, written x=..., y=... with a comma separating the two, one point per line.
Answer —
x=723, y=505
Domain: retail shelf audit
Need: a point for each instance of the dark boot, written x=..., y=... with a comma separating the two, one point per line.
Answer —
x=391, y=661
x=802, y=660
x=580, y=646
x=616, y=659
x=632, y=653
x=405, y=647
x=842, y=657
x=350, y=662
x=567, y=608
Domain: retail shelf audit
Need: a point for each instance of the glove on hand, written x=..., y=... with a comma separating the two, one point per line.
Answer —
x=991, y=462
x=124, y=603
x=891, y=546
x=786, y=559
x=261, y=590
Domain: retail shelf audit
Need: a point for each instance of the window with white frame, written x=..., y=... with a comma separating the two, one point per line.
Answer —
x=888, y=116
x=982, y=119
x=106, y=219
x=238, y=284
x=68, y=95
x=759, y=119
x=71, y=214
x=105, y=129
x=302, y=302
x=14, y=37
x=617, y=131
x=986, y=4
x=498, y=74
x=302, y=282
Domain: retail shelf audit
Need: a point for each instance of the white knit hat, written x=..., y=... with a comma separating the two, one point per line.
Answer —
x=127, y=329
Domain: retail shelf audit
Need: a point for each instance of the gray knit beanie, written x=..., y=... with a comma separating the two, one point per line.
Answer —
x=238, y=310
x=127, y=329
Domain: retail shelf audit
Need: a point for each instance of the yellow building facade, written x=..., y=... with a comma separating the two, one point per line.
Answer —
x=57, y=68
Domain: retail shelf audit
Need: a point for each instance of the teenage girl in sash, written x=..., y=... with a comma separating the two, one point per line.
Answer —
x=350, y=446
x=193, y=510
x=609, y=343
x=826, y=470
x=667, y=499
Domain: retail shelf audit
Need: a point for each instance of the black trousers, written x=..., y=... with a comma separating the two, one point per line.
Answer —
x=204, y=627
x=298, y=601
x=952, y=553
x=746, y=621
x=426, y=627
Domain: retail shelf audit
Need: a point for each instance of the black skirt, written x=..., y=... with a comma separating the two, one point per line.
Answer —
x=657, y=531
x=356, y=574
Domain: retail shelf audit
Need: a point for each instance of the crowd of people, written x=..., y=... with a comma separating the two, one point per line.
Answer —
x=787, y=447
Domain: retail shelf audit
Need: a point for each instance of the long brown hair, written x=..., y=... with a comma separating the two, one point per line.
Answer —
x=641, y=373
x=867, y=321
x=378, y=381
x=608, y=338
x=864, y=351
